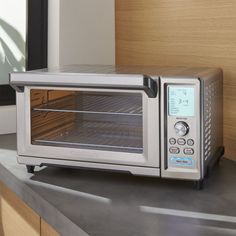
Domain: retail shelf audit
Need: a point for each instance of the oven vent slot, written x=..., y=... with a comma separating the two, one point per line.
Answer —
x=211, y=92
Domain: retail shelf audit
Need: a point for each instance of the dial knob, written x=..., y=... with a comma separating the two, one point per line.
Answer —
x=181, y=128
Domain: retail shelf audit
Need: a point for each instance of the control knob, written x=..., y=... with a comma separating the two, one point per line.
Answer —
x=181, y=128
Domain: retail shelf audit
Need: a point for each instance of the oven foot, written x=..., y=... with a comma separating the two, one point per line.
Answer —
x=30, y=169
x=199, y=184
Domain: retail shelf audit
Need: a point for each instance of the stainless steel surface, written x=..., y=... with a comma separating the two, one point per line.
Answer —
x=146, y=158
x=181, y=128
x=185, y=72
x=119, y=150
x=195, y=149
x=135, y=170
x=82, y=80
x=86, y=79
x=213, y=115
x=87, y=145
x=179, y=165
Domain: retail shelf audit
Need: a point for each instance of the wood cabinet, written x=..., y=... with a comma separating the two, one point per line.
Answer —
x=16, y=218
x=47, y=230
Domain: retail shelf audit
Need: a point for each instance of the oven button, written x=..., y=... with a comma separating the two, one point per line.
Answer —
x=172, y=141
x=188, y=151
x=174, y=150
x=190, y=142
x=181, y=141
x=181, y=128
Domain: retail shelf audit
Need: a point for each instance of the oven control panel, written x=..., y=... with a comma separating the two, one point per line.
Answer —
x=181, y=127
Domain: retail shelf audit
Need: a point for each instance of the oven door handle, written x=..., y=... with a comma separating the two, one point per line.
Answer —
x=19, y=80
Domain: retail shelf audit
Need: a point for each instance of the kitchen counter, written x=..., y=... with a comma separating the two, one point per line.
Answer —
x=85, y=202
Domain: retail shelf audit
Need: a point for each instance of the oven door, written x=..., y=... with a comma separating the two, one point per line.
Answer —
x=101, y=125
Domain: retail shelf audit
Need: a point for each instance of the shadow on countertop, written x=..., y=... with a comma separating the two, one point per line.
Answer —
x=124, y=188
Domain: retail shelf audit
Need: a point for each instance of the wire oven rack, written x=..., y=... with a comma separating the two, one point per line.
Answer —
x=104, y=131
x=98, y=135
x=111, y=104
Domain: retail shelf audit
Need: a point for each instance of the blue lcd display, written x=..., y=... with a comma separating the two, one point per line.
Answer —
x=181, y=101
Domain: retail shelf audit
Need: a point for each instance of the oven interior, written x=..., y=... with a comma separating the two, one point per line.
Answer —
x=111, y=121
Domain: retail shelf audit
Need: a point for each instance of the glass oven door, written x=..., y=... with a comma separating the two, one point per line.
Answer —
x=95, y=125
x=112, y=119
x=108, y=121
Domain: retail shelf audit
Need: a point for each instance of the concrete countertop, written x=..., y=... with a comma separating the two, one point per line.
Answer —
x=84, y=202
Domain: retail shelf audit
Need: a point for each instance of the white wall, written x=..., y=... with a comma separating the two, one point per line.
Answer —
x=53, y=33
x=12, y=37
x=12, y=52
x=86, y=32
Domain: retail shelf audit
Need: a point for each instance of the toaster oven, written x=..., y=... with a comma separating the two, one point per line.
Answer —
x=164, y=122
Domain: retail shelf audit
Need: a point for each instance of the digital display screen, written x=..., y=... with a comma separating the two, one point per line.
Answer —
x=181, y=101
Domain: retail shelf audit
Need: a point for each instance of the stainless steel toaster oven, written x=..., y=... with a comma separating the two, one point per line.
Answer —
x=164, y=122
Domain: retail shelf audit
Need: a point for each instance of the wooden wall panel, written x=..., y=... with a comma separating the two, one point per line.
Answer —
x=182, y=33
